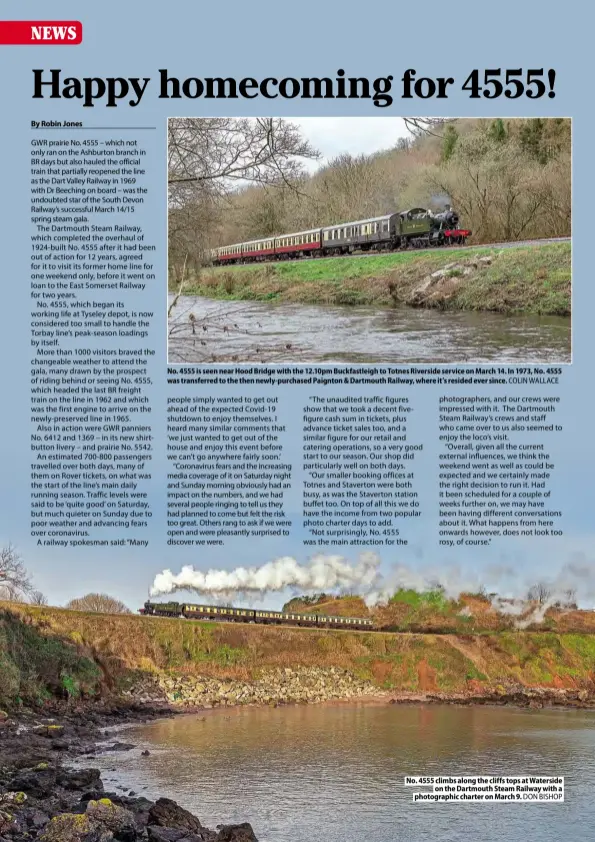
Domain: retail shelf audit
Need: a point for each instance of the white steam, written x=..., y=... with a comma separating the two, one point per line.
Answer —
x=320, y=573
x=509, y=590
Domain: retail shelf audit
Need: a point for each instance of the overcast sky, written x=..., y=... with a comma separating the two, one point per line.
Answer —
x=356, y=135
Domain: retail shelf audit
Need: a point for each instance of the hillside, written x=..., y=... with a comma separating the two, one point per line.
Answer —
x=524, y=279
x=343, y=606
x=50, y=652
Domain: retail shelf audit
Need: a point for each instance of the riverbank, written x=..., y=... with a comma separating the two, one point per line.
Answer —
x=43, y=796
x=532, y=279
x=51, y=653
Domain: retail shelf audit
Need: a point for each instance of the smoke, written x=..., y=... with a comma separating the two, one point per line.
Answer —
x=451, y=580
x=439, y=200
x=320, y=573
x=510, y=592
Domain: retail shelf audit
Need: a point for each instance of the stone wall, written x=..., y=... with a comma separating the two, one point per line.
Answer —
x=275, y=686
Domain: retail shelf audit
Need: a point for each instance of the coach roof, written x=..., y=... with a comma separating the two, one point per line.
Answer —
x=359, y=221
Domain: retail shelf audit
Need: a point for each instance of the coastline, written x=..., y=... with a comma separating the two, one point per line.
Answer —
x=50, y=790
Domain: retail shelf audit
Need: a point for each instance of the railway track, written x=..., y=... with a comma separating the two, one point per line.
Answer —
x=375, y=630
x=363, y=255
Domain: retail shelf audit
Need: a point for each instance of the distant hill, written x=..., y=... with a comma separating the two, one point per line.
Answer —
x=335, y=606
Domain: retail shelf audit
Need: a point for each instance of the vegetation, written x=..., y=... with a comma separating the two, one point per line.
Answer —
x=98, y=602
x=335, y=606
x=35, y=665
x=524, y=279
x=242, y=179
x=47, y=651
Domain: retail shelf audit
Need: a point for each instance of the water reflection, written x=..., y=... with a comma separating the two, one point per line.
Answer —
x=336, y=773
x=251, y=330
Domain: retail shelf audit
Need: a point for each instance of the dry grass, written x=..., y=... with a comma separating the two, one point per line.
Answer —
x=345, y=606
x=125, y=645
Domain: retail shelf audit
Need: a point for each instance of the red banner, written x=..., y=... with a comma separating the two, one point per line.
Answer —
x=41, y=32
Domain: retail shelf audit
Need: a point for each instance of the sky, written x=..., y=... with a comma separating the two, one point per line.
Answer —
x=356, y=135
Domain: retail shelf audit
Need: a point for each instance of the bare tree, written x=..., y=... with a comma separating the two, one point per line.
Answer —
x=15, y=581
x=218, y=151
x=209, y=159
x=38, y=598
x=419, y=126
x=539, y=592
x=99, y=603
x=568, y=600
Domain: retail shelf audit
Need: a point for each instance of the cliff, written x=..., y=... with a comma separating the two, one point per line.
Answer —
x=51, y=652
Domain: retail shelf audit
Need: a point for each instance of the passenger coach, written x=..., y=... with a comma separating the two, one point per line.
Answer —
x=416, y=227
x=230, y=614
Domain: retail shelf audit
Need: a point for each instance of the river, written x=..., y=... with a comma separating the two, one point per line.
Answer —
x=324, y=773
x=246, y=331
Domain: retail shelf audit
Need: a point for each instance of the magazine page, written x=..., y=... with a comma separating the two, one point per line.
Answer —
x=297, y=471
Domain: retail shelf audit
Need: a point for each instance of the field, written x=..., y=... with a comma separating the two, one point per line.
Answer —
x=524, y=279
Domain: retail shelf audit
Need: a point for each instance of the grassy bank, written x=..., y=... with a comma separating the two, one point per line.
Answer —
x=49, y=651
x=524, y=279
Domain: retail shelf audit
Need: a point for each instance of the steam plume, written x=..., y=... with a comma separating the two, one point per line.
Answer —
x=320, y=573
x=509, y=589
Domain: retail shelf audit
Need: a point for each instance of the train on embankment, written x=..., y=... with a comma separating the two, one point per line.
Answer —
x=229, y=614
x=418, y=227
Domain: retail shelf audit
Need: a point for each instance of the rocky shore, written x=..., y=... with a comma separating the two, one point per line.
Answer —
x=535, y=698
x=42, y=796
x=45, y=797
x=273, y=687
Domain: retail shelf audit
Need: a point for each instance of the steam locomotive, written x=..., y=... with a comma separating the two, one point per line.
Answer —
x=417, y=227
x=229, y=614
